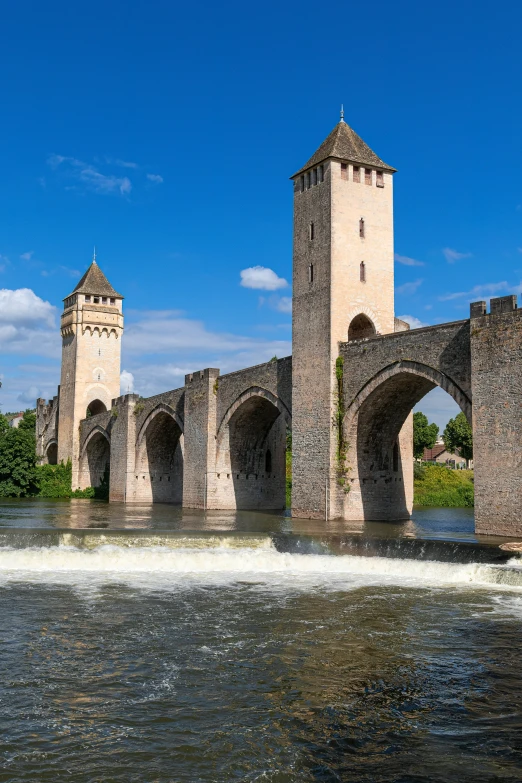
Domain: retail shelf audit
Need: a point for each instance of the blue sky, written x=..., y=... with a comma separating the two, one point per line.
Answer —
x=165, y=134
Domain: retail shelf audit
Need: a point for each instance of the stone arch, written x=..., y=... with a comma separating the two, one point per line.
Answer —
x=95, y=407
x=251, y=452
x=95, y=459
x=361, y=327
x=51, y=452
x=378, y=434
x=370, y=314
x=159, y=457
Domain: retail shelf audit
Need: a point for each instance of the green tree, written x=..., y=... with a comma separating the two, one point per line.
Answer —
x=28, y=422
x=458, y=436
x=4, y=424
x=424, y=434
x=17, y=463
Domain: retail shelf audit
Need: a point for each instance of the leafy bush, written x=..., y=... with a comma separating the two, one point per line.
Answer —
x=18, y=458
x=55, y=480
x=20, y=476
x=419, y=471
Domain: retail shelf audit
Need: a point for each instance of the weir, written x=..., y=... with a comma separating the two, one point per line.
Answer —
x=116, y=552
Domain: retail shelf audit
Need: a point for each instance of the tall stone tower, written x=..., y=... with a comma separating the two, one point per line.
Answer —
x=91, y=328
x=342, y=290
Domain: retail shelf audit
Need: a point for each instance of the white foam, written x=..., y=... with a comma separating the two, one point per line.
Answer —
x=162, y=567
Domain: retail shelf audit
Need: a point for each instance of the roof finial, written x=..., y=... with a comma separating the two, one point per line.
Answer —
x=94, y=255
x=342, y=113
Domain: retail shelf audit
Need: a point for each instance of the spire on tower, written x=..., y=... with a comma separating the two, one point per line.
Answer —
x=344, y=144
x=94, y=255
x=95, y=283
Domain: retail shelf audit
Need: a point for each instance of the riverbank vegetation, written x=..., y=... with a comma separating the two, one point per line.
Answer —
x=20, y=474
x=437, y=485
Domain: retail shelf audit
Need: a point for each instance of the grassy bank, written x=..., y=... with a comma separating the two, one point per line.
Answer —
x=437, y=485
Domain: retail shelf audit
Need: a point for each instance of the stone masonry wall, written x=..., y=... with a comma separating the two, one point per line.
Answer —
x=496, y=361
x=253, y=412
x=311, y=348
x=199, y=437
x=152, y=470
x=46, y=426
x=384, y=377
x=94, y=449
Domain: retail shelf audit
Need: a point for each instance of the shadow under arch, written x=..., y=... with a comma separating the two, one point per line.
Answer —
x=361, y=327
x=95, y=459
x=376, y=431
x=95, y=407
x=159, y=457
x=251, y=452
x=51, y=452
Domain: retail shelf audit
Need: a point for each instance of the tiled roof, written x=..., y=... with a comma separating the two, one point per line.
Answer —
x=435, y=452
x=343, y=143
x=95, y=282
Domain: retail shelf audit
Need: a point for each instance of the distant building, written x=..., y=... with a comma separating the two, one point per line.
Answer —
x=439, y=454
x=16, y=419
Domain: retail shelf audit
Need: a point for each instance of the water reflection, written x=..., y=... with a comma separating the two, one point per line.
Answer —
x=444, y=523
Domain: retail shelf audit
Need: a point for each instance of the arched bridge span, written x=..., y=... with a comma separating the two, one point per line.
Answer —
x=388, y=375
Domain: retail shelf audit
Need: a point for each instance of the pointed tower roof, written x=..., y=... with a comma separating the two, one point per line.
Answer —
x=95, y=282
x=344, y=144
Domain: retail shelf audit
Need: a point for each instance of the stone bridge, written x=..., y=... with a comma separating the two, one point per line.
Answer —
x=217, y=442
x=478, y=362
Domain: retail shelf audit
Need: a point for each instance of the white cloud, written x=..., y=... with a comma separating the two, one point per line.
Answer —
x=284, y=304
x=452, y=255
x=165, y=333
x=29, y=396
x=126, y=382
x=408, y=261
x=27, y=256
x=27, y=324
x=90, y=176
x=407, y=289
x=487, y=290
x=157, y=178
x=23, y=307
x=125, y=164
x=103, y=183
x=413, y=321
x=261, y=277
x=25, y=382
x=188, y=346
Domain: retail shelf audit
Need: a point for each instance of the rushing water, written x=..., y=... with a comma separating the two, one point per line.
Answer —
x=193, y=648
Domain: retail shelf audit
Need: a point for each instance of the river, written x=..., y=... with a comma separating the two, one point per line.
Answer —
x=165, y=646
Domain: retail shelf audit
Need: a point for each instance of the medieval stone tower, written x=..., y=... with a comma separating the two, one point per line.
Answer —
x=91, y=328
x=342, y=290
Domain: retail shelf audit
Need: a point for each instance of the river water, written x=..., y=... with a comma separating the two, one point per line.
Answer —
x=167, y=646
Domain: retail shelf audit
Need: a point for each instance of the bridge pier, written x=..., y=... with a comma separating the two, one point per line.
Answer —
x=496, y=371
